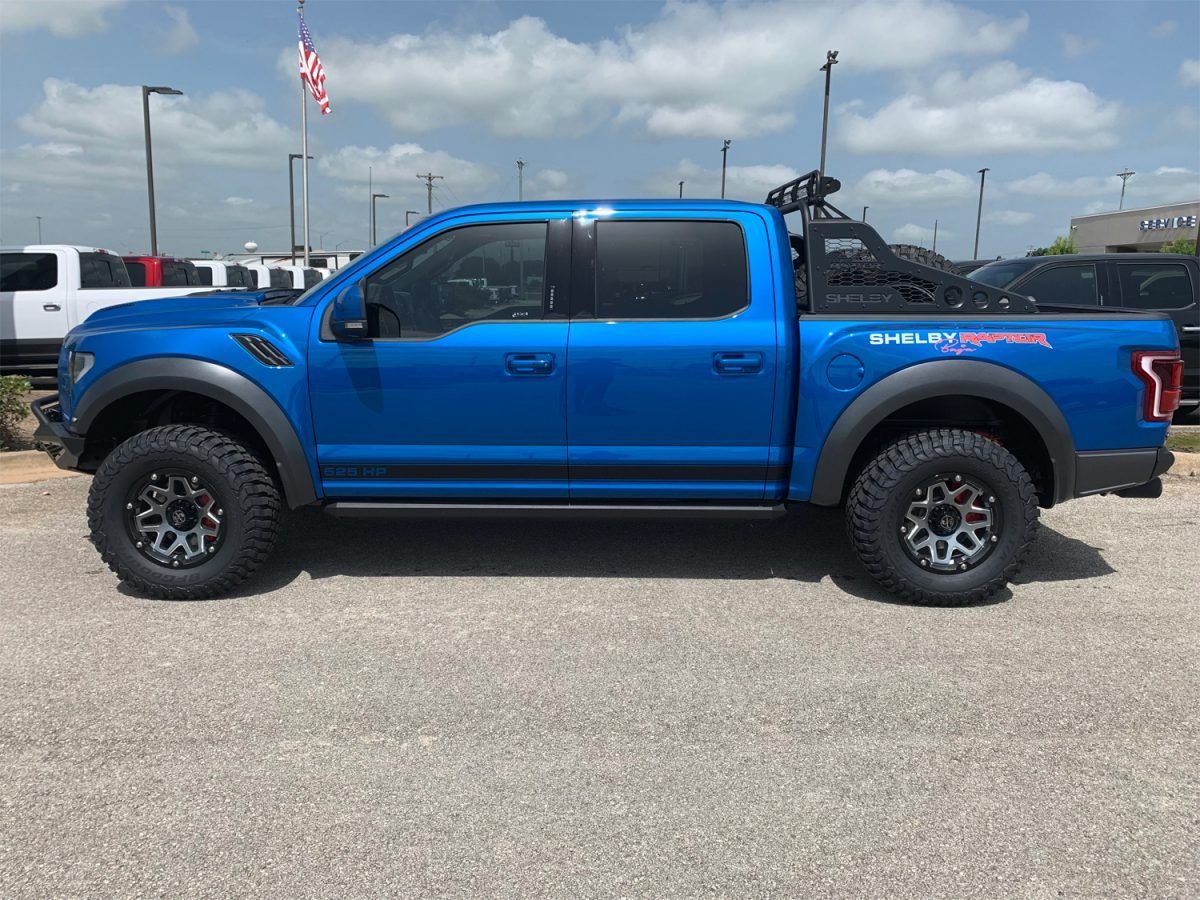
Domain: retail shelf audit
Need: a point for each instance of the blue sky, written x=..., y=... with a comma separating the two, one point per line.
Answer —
x=602, y=100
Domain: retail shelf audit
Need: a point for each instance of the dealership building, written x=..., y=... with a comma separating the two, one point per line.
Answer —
x=1135, y=230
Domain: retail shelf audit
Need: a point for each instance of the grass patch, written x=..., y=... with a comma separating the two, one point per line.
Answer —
x=1188, y=443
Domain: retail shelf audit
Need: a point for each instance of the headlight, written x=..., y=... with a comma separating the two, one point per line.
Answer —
x=79, y=365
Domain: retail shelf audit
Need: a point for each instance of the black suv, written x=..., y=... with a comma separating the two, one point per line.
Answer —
x=1163, y=282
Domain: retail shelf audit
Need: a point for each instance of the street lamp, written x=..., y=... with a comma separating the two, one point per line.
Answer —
x=321, y=240
x=830, y=61
x=374, y=197
x=979, y=211
x=865, y=208
x=292, y=157
x=407, y=213
x=520, y=179
x=338, y=245
x=39, y=218
x=1124, y=176
x=146, y=92
x=724, y=159
x=681, y=190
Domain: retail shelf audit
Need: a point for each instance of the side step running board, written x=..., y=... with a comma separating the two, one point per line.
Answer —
x=357, y=509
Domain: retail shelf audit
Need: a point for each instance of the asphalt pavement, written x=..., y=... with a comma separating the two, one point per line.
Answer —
x=566, y=710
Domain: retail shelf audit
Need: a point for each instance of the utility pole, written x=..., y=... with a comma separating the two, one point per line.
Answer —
x=429, y=180
x=1124, y=176
x=520, y=179
x=39, y=218
x=724, y=159
x=979, y=211
x=830, y=61
x=865, y=208
x=681, y=190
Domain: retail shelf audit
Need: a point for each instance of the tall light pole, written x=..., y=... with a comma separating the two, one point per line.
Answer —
x=979, y=211
x=1124, y=176
x=39, y=218
x=407, y=213
x=865, y=208
x=147, y=90
x=520, y=179
x=724, y=160
x=681, y=190
x=292, y=157
x=374, y=197
x=935, y=223
x=830, y=61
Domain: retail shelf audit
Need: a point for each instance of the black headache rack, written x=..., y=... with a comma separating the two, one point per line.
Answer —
x=851, y=270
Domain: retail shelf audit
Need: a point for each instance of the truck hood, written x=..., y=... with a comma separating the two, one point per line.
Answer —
x=204, y=309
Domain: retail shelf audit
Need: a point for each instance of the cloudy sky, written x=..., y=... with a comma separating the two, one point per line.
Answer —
x=602, y=100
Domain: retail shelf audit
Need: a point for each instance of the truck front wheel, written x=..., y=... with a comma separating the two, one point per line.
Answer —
x=183, y=513
x=943, y=517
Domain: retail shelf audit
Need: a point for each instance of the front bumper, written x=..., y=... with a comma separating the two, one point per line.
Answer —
x=61, y=444
x=1118, y=471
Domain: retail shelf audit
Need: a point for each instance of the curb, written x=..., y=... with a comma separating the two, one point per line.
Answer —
x=29, y=466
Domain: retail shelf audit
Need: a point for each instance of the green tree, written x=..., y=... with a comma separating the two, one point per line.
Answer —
x=1180, y=245
x=1062, y=246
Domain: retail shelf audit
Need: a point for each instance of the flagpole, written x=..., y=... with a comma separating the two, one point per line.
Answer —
x=304, y=147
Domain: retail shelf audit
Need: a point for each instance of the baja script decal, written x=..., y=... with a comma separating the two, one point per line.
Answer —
x=958, y=342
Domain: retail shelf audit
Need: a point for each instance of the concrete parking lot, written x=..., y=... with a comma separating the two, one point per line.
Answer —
x=543, y=709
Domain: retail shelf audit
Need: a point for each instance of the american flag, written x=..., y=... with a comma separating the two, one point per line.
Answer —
x=311, y=70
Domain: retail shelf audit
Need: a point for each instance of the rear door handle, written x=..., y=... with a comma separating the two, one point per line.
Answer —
x=737, y=363
x=1191, y=329
x=51, y=307
x=529, y=363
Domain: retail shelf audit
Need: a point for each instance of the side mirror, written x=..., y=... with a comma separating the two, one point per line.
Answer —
x=348, y=322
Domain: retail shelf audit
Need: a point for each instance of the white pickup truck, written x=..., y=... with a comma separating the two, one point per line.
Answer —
x=48, y=289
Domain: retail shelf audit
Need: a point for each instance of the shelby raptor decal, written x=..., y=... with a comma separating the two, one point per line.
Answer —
x=958, y=342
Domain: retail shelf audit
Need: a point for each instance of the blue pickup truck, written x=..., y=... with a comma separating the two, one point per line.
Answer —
x=636, y=358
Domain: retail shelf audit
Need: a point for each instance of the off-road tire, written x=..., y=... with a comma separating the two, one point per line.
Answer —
x=881, y=494
x=241, y=485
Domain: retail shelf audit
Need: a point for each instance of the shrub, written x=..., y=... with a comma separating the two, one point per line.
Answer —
x=13, y=407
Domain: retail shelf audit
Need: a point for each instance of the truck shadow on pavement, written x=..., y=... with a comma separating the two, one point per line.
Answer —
x=806, y=546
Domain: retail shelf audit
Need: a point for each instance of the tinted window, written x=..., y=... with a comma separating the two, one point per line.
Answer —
x=999, y=274
x=238, y=276
x=100, y=270
x=670, y=270
x=28, y=271
x=318, y=262
x=311, y=277
x=280, y=278
x=137, y=273
x=253, y=277
x=179, y=274
x=491, y=272
x=1155, y=286
x=1070, y=285
x=204, y=274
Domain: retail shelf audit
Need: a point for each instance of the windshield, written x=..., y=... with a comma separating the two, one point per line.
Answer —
x=999, y=275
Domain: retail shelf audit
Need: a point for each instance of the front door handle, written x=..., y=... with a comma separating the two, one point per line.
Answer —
x=1191, y=329
x=737, y=363
x=51, y=307
x=529, y=363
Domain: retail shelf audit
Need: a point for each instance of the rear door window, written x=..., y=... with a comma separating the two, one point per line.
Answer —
x=100, y=270
x=28, y=271
x=1069, y=285
x=670, y=270
x=280, y=278
x=205, y=274
x=1155, y=285
x=238, y=276
x=137, y=273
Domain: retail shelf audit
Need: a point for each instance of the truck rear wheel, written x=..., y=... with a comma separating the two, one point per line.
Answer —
x=943, y=517
x=183, y=513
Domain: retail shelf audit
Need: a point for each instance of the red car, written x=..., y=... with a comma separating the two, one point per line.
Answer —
x=161, y=271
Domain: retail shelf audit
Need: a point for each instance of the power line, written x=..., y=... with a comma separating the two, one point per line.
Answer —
x=429, y=179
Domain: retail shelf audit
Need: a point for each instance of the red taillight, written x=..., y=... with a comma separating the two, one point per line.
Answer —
x=1162, y=374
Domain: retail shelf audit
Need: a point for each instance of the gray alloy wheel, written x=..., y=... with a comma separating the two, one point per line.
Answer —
x=951, y=523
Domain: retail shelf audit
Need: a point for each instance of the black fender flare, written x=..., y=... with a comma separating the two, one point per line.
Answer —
x=944, y=378
x=218, y=383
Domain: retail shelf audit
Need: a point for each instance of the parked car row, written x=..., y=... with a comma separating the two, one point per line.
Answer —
x=48, y=289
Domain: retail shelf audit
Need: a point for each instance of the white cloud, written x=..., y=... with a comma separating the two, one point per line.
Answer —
x=230, y=129
x=1164, y=29
x=697, y=70
x=1166, y=184
x=394, y=170
x=998, y=109
x=549, y=184
x=918, y=234
x=180, y=38
x=62, y=18
x=1189, y=72
x=741, y=182
x=906, y=187
x=1009, y=217
x=237, y=201
x=1076, y=45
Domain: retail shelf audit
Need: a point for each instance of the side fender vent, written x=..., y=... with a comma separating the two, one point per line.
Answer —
x=263, y=350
